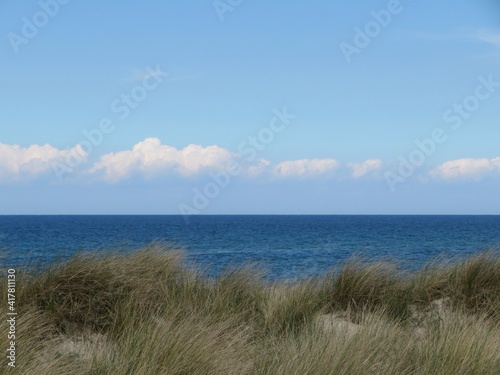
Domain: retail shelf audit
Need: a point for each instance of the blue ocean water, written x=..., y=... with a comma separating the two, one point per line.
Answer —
x=285, y=246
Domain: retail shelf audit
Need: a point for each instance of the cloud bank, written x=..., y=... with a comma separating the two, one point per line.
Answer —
x=305, y=167
x=18, y=162
x=151, y=157
x=361, y=169
x=467, y=168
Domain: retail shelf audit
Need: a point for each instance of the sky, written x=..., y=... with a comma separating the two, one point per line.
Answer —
x=250, y=107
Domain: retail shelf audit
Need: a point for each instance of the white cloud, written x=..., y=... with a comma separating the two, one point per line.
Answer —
x=466, y=168
x=26, y=162
x=259, y=168
x=360, y=169
x=305, y=167
x=151, y=157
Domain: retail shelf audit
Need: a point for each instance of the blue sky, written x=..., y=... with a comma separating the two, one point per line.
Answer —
x=372, y=107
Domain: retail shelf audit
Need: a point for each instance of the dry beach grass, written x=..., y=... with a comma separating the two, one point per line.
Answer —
x=147, y=313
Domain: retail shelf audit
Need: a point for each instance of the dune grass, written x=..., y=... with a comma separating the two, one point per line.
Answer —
x=147, y=313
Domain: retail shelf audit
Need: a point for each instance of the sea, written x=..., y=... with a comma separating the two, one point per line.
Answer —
x=283, y=246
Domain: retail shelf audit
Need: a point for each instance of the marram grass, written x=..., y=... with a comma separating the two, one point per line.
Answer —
x=146, y=313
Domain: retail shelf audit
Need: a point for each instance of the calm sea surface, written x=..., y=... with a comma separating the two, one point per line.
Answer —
x=287, y=246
